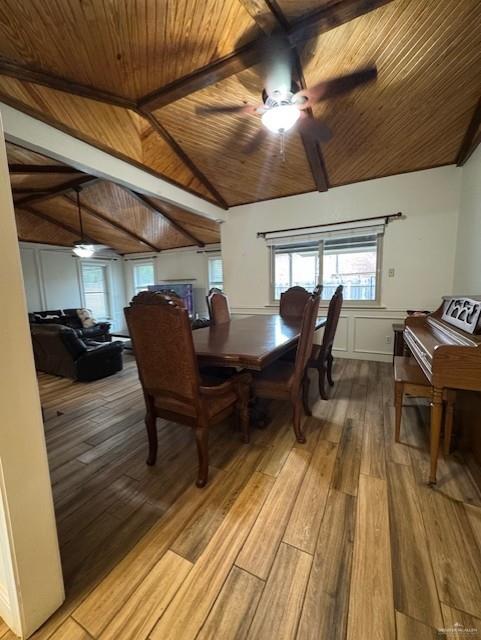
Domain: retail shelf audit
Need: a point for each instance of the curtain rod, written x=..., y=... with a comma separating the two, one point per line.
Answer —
x=386, y=218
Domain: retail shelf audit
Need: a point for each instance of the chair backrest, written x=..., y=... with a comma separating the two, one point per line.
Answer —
x=293, y=301
x=306, y=338
x=333, y=313
x=218, y=306
x=161, y=335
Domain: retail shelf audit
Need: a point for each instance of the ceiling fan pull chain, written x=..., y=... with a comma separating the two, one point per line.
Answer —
x=283, y=148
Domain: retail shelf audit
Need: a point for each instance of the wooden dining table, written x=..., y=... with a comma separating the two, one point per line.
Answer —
x=250, y=342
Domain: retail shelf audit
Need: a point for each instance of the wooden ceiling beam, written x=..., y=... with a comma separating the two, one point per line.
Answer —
x=31, y=74
x=161, y=212
x=470, y=142
x=261, y=13
x=40, y=168
x=311, y=147
x=83, y=180
x=315, y=24
x=100, y=216
x=162, y=131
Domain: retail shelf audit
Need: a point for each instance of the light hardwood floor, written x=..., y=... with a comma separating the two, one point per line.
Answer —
x=338, y=538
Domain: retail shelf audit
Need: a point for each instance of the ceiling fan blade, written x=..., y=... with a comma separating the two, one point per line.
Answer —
x=334, y=87
x=204, y=110
x=255, y=142
x=314, y=129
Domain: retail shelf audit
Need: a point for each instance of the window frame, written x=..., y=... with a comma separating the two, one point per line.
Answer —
x=103, y=264
x=376, y=302
x=141, y=263
x=216, y=256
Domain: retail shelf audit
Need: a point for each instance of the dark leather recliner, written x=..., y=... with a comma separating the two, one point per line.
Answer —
x=100, y=332
x=60, y=351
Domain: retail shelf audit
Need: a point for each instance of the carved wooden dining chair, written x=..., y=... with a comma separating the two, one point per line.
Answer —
x=218, y=306
x=293, y=301
x=173, y=388
x=288, y=380
x=321, y=356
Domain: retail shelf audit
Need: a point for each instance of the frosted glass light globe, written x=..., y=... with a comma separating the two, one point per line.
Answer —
x=282, y=118
x=84, y=250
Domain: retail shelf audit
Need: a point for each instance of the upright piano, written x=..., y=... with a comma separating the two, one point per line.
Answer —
x=447, y=346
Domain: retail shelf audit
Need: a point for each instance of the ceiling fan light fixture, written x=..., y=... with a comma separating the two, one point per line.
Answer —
x=282, y=118
x=83, y=250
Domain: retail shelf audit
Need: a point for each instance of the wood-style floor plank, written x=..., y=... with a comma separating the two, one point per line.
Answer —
x=143, y=548
x=190, y=607
x=459, y=625
x=411, y=629
x=414, y=584
x=303, y=526
x=324, y=614
x=371, y=609
x=277, y=615
x=139, y=614
x=260, y=548
x=232, y=613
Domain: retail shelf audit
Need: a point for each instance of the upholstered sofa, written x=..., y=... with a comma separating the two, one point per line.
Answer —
x=59, y=350
x=100, y=331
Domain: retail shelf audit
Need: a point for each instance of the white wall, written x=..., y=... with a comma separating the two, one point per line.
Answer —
x=188, y=265
x=31, y=585
x=421, y=249
x=52, y=280
x=467, y=274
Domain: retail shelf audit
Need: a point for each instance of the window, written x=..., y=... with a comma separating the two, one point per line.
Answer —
x=295, y=266
x=216, y=273
x=95, y=289
x=143, y=276
x=351, y=261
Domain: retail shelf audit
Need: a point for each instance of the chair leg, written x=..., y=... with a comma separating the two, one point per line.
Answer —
x=202, y=441
x=322, y=381
x=448, y=423
x=296, y=419
x=330, y=360
x=306, y=383
x=398, y=404
x=151, y=426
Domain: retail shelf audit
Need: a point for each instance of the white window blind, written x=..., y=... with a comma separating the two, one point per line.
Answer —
x=216, y=273
x=95, y=289
x=143, y=276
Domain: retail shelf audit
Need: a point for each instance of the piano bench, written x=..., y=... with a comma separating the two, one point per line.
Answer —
x=409, y=379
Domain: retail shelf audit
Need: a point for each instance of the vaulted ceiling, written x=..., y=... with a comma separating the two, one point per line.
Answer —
x=128, y=76
x=44, y=193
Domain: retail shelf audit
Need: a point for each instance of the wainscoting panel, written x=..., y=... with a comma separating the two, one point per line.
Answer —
x=373, y=334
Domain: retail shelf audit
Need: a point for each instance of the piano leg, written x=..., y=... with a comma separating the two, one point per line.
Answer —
x=436, y=420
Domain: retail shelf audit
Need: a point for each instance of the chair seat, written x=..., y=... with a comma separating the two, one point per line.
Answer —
x=214, y=405
x=408, y=371
x=275, y=379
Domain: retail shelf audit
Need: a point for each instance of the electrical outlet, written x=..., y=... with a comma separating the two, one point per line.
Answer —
x=391, y=273
x=388, y=339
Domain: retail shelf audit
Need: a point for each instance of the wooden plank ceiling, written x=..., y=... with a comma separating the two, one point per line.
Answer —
x=46, y=210
x=128, y=76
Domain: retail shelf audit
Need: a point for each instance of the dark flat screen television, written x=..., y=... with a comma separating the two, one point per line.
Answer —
x=183, y=290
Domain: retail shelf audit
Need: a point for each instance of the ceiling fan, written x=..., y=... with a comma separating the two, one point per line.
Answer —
x=285, y=104
x=85, y=247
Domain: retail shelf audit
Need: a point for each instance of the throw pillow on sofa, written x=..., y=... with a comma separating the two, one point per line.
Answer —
x=86, y=318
